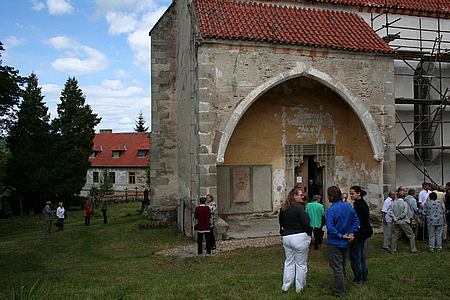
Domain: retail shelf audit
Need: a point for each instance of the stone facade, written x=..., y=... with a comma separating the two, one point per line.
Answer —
x=204, y=91
x=122, y=183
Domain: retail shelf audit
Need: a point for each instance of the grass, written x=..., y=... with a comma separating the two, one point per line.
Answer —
x=117, y=261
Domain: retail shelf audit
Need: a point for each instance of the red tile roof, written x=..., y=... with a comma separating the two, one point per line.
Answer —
x=426, y=6
x=262, y=22
x=128, y=143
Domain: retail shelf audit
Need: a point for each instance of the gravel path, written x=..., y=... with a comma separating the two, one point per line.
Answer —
x=222, y=246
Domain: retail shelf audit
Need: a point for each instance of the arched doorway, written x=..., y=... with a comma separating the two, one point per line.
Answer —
x=298, y=124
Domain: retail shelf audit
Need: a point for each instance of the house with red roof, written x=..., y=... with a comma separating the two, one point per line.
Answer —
x=253, y=98
x=124, y=157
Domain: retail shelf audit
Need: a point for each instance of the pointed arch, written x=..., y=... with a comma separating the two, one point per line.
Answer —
x=305, y=69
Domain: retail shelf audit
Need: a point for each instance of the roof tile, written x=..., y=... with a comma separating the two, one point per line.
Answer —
x=233, y=20
x=127, y=142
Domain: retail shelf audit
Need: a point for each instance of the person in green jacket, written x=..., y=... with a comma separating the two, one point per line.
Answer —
x=316, y=212
x=104, y=208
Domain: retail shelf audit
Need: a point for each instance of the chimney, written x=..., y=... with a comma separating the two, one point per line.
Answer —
x=105, y=131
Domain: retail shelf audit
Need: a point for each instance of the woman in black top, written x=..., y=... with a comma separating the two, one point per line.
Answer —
x=295, y=231
x=358, y=246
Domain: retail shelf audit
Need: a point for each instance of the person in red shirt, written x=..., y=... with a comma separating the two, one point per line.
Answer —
x=203, y=227
x=87, y=213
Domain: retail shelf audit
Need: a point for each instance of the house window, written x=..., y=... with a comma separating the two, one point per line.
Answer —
x=142, y=153
x=93, y=154
x=116, y=154
x=132, y=178
x=112, y=175
x=95, y=177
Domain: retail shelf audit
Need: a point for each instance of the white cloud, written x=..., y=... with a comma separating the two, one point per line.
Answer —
x=61, y=42
x=78, y=59
x=59, y=7
x=139, y=40
x=113, y=89
x=13, y=41
x=37, y=5
x=115, y=4
x=121, y=73
x=120, y=23
x=117, y=104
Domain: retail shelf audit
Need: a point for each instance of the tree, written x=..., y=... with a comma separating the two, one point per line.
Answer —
x=10, y=91
x=106, y=184
x=29, y=141
x=74, y=133
x=140, y=122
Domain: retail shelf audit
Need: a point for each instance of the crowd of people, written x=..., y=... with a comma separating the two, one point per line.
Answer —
x=417, y=218
x=348, y=229
x=61, y=213
x=347, y=222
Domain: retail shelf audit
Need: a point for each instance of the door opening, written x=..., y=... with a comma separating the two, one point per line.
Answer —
x=309, y=177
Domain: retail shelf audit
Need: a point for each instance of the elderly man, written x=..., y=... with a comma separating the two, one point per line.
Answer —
x=386, y=212
x=410, y=199
x=401, y=221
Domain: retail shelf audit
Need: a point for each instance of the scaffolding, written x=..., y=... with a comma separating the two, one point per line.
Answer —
x=425, y=53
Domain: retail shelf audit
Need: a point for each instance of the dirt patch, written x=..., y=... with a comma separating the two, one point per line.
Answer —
x=222, y=246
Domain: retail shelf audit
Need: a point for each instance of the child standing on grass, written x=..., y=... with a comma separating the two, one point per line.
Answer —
x=203, y=214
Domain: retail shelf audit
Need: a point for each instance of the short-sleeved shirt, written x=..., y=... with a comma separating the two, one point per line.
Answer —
x=423, y=196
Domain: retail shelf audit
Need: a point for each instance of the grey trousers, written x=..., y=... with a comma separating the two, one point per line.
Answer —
x=406, y=228
x=435, y=236
x=387, y=235
x=337, y=259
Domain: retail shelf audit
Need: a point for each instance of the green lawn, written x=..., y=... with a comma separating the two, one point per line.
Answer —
x=117, y=261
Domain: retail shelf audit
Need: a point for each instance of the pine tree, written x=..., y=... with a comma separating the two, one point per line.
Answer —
x=74, y=133
x=140, y=123
x=10, y=92
x=29, y=142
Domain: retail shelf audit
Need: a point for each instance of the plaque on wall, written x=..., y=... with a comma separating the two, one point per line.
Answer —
x=241, y=185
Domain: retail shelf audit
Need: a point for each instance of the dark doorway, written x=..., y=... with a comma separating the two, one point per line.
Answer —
x=309, y=170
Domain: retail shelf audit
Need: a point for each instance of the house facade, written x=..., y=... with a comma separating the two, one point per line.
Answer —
x=252, y=98
x=125, y=159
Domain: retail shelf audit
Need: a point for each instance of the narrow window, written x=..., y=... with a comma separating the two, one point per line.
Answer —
x=112, y=175
x=95, y=177
x=132, y=178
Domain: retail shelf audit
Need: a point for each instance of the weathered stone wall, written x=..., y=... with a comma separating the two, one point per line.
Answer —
x=164, y=135
x=173, y=161
x=187, y=116
x=229, y=72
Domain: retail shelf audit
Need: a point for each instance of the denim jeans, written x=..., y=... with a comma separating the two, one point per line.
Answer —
x=358, y=260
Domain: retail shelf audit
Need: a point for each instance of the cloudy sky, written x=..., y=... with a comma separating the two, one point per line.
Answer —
x=103, y=43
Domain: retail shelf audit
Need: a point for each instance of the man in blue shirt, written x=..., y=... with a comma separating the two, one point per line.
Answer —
x=342, y=223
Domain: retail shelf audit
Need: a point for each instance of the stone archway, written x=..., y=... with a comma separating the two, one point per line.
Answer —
x=305, y=69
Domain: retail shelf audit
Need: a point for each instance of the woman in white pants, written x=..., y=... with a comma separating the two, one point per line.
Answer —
x=296, y=235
